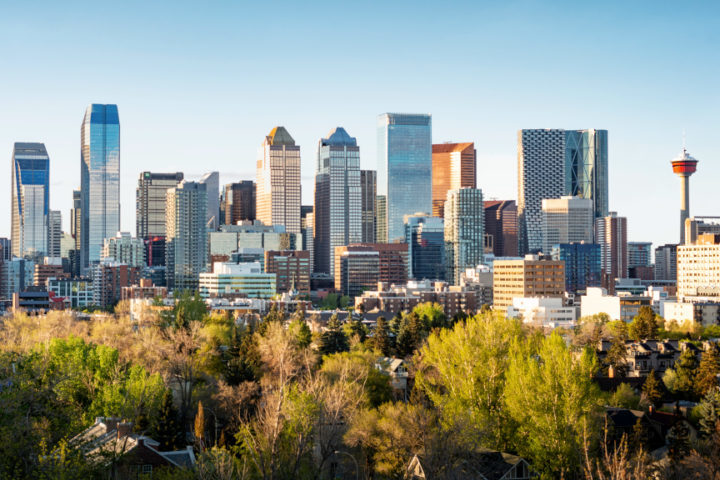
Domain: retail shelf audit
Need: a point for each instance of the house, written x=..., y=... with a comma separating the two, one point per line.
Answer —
x=395, y=369
x=483, y=464
x=647, y=355
x=112, y=443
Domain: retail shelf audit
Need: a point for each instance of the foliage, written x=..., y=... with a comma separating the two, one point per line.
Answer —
x=624, y=397
x=166, y=428
x=709, y=411
x=431, y=314
x=706, y=378
x=381, y=339
x=651, y=389
x=300, y=329
x=615, y=358
x=333, y=339
x=680, y=380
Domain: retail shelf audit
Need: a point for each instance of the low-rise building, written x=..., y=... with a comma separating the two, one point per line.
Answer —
x=77, y=292
x=647, y=355
x=237, y=279
x=145, y=289
x=619, y=307
x=109, y=278
x=291, y=268
x=702, y=313
x=50, y=267
x=479, y=280
x=543, y=312
x=453, y=299
x=529, y=277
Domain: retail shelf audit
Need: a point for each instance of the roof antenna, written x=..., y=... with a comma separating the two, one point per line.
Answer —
x=684, y=145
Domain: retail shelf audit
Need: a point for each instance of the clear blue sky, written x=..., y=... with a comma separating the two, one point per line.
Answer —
x=198, y=85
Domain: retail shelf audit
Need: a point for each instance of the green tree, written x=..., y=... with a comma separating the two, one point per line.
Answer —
x=330, y=302
x=301, y=331
x=199, y=429
x=553, y=400
x=616, y=358
x=381, y=338
x=189, y=307
x=432, y=314
x=680, y=380
x=166, y=427
x=333, y=339
x=624, y=397
x=462, y=371
x=644, y=326
x=651, y=389
x=355, y=329
x=708, y=370
x=678, y=439
x=410, y=335
x=708, y=411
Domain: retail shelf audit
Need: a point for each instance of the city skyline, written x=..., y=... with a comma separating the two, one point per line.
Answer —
x=635, y=97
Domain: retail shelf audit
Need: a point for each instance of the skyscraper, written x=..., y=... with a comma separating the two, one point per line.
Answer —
x=307, y=220
x=453, y=167
x=212, y=182
x=567, y=220
x=611, y=234
x=239, y=202
x=639, y=254
x=553, y=163
x=150, y=202
x=425, y=236
x=464, y=231
x=404, y=174
x=76, y=219
x=582, y=265
x=278, y=181
x=666, y=262
x=501, y=223
x=186, y=242
x=99, y=179
x=368, y=207
x=55, y=233
x=338, y=215
x=30, y=199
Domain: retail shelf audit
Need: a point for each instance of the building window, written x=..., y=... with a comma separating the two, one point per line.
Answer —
x=147, y=469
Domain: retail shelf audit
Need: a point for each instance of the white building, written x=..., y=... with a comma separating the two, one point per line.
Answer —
x=543, y=311
x=621, y=307
x=237, y=279
x=124, y=248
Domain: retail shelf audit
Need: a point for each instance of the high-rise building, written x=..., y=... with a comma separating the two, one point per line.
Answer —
x=553, y=163
x=582, y=265
x=50, y=267
x=278, y=181
x=307, y=221
x=109, y=278
x=698, y=269
x=239, y=202
x=404, y=174
x=55, y=233
x=453, y=167
x=368, y=204
x=99, y=179
x=464, y=231
x=291, y=269
x=530, y=277
x=211, y=180
x=123, y=248
x=5, y=249
x=425, y=237
x=611, y=235
x=501, y=223
x=150, y=201
x=567, y=220
x=639, y=254
x=666, y=262
x=381, y=233
x=356, y=270
x=186, y=241
x=338, y=216
x=700, y=225
x=76, y=219
x=30, y=199
x=391, y=266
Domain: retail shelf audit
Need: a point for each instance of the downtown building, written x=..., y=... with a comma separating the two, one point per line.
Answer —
x=698, y=269
x=529, y=277
x=337, y=213
x=425, y=238
x=502, y=226
x=368, y=205
x=55, y=234
x=666, y=262
x=464, y=232
x=108, y=280
x=566, y=220
x=30, y=193
x=553, y=163
x=453, y=168
x=211, y=180
x=187, y=246
x=360, y=267
x=239, y=202
x=582, y=265
x=150, y=204
x=278, y=181
x=611, y=235
x=99, y=180
x=291, y=269
x=123, y=248
x=404, y=173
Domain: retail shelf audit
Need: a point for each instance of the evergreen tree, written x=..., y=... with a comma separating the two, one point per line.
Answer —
x=355, y=328
x=681, y=379
x=651, y=388
x=678, y=441
x=167, y=429
x=301, y=332
x=200, y=427
x=410, y=335
x=616, y=358
x=381, y=339
x=333, y=339
x=707, y=373
x=644, y=326
x=709, y=412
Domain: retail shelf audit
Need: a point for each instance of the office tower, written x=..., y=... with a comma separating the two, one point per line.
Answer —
x=698, y=269
x=501, y=223
x=553, y=163
x=211, y=181
x=567, y=220
x=239, y=202
x=356, y=270
x=639, y=254
x=582, y=265
x=123, y=248
x=611, y=235
x=464, y=232
x=109, y=278
x=186, y=240
x=338, y=216
x=530, y=277
x=291, y=269
x=55, y=233
x=391, y=266
x=76, y=219
x=425, y=237
x=150, y=200
x=368, y=205
x=278, y=181
x=30, y=199
x=453, y=167
x=307, y=224
x=15, y=275
x=5, y=249
x=67, y=244
x=404, y=174
x=99, y=179
x=381, y=234
x=666, y=262
x=695, y=226
x=683, y=166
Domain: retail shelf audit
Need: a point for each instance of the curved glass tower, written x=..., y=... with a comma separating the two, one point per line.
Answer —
x=30, y=199
x=99, y=179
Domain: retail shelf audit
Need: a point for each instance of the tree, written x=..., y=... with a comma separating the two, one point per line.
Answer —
x=644, y=325
x=189, y=307
x=678, y=439
x=301, y=332
x=708, y=370
x=199, y=429
x=616, y=358
x=680, y=380
x=355, y=330
x=333, y=339
x=381, y=339
x=166, y=428
x=553, y=401
x=432, y=315
x=709, y=412
x=651, y=389
x=410, y=335
x=624, y=397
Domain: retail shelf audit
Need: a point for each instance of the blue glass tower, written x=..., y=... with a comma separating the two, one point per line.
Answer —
x=582, y=265
x=404, y=174
x=30, y=199
x=99, y=179
x=425, y=236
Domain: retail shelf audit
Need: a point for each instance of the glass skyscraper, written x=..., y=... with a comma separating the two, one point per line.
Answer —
x=99, y=179
x=404, y=174
x=586, y=167
x=464, y=232
x=425, y=236
x=582, y=265
x=30, y=199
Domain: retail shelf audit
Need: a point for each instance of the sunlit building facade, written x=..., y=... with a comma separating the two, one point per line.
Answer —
x=464, y=232
x=30, y=199
x=453, y=167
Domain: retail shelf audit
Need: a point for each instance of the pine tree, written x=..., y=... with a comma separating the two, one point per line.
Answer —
x=200, y=427
x=167, y=430
x=651, y=388
x=616, y=358
x=685, y=370
x=678, y=441
x=333, y=339
x=381, y=339
x=706, y=378
x=644, y=325
x=709, y=411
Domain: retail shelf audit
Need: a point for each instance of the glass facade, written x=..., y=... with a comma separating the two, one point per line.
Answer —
x=582, y=265
x=404, y=174
x=425, y=236
x=586, y=167
x=99, y=179
x=464, y=232
x=186, y=242
x=150, y=202
x=30, y=199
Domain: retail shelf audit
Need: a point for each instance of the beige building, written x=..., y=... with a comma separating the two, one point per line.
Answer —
x=278, y=195
x=529, y=277
x=698, y=269
x=567, y=220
